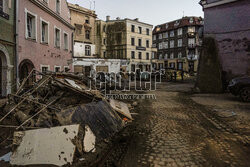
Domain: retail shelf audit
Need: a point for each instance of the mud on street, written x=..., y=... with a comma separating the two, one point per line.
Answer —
x=174, y=130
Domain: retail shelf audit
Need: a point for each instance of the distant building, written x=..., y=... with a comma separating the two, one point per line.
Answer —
x=125, y=39
x=7, y=47
x=178, y=44
x=45, y=36
x=84, y=37
x=228, y=23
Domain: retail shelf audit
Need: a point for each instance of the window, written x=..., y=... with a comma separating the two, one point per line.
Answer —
x=148, y=31
x=58, y=6
x=57, y=68
x=44, y=68
x=44, y=32
x=166, y=56
x=57, y=38
x=191, y=41
x=172, y=55
x=191, y=29
x=165, y=35
x=140, y=30
x=154, y=37
x=147, y=43
x=132, y=28
x=87, y=50
x=179, y=55
x=160, y=56
x=172, y=44
x=160, y=45
x=87, y=34
x=104, y=54
x=177, y=23
x=160, y=36
x=133, y=41
x=66, y=68
x=104, y=41
x=180, y=31
x=133, y=54
x=30, y=25
x=147, y=56
x=165, y=45
x=139, y=55
x=87, y=20
x=139, y=42
x=179, y=42
x=172, y=33
x=166, y=26
x=191, y=20
x=153, y=55
x=66, y=41
x=180, y=66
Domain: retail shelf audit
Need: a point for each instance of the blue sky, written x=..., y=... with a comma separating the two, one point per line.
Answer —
x=149, y=11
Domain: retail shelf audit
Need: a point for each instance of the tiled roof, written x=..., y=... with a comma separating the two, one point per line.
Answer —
x=185, y=21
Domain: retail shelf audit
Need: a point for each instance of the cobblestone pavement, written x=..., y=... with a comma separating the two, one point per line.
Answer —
x=175, y=131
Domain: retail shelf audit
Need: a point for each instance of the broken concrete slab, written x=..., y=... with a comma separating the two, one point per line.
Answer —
x=89, y=140
x=51, y=146
x=121, y=108
x=73, y=83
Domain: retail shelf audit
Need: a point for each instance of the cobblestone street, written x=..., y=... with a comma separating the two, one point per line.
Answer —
x=175, y=131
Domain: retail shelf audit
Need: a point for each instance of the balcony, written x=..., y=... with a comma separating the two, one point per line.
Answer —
x=191, y=46
x=192, y=57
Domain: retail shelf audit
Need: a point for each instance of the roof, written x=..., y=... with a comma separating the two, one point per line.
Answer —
x=185, y=21
x=81, y=9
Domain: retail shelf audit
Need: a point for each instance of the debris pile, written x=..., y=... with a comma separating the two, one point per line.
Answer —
x=58, y=120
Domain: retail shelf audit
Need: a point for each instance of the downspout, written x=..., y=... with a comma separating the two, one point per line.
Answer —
x=72, y=46
x=16, y=41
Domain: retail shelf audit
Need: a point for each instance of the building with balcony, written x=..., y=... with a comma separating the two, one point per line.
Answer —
x=178, y=44
x=7, y=47
x=127, y=39
x=44, y=36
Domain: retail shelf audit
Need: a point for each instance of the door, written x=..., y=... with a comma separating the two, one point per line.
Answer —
x=191, y=66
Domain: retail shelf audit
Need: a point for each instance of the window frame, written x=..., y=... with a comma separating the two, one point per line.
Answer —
x=55, y=39
x=47, y=66
x=132, y=28
x=64, y=40
x=180, y=43
x=60, y=3
x=87, y=50
x=27, y=12
x=57, y=67
x=87, y=35
x=132, y=54
x=41, y=30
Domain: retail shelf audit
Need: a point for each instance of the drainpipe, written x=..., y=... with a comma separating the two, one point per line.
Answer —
x=16, y=41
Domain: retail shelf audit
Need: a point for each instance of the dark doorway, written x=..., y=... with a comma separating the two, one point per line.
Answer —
x=191, y=66
x=25, y=67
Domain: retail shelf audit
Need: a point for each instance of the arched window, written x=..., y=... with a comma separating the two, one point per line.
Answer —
x=88, y=50
x=87, y=34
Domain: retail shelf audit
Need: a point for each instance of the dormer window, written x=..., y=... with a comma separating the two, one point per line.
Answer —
x=58, y=6
x=191, y=20
x=177, y=23
x=166, y=26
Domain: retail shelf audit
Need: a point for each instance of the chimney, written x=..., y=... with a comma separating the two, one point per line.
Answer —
x=118, y=18
x=137, y=19
x=107, y=18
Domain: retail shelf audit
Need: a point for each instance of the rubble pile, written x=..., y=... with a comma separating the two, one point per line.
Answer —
x=56, y=111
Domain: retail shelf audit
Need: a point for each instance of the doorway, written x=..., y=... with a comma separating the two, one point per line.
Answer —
x=25, y=67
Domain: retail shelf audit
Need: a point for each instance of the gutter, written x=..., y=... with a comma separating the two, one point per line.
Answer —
x=16, y=41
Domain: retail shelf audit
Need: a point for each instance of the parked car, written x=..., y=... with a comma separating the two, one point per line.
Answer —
x=240, y=87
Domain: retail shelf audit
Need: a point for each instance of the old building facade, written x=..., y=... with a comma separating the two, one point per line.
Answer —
x=178, y=44
x=125, y=39
x=45, y=36
x=7, y=47
x=84, y=36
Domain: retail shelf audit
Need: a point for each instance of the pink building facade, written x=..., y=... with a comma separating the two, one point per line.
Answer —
x=44, y=36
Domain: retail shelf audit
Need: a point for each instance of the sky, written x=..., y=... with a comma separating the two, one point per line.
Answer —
x=153, y=12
